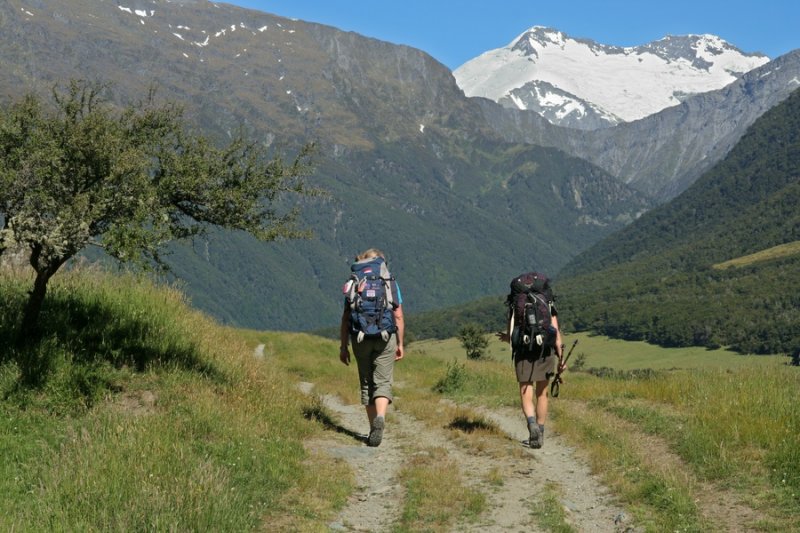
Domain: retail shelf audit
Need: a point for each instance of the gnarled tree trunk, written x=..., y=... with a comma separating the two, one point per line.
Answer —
x=33, y=365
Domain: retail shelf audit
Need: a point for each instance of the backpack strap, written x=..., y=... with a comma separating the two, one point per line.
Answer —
x=387, y=279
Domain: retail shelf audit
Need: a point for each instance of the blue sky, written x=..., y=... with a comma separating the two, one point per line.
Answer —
x=456, y=31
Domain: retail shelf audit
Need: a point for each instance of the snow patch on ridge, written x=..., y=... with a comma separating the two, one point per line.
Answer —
x=138, y=12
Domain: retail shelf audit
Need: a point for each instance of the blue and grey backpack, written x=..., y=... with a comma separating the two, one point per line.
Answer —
x=369, y=293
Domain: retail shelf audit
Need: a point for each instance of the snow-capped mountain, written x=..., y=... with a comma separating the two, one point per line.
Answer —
x=582, y=84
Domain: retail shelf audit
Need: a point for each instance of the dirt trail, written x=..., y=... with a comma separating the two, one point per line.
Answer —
x=588, y=503
x=376, y=504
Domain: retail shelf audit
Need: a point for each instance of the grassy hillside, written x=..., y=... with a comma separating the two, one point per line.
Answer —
x=660, y=279
x=151, y=417
x=776, y=252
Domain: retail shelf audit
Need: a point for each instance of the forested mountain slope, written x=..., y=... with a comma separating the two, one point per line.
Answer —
x=661, y=279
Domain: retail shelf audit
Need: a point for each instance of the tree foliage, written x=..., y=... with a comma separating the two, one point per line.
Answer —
x=489, y=312
x=79, y=171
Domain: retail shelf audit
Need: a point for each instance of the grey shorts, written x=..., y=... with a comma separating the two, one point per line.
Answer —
x=531, y=368
x=375, y=359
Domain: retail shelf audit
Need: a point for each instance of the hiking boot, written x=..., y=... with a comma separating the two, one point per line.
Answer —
x=536, y=438
x=376, y=431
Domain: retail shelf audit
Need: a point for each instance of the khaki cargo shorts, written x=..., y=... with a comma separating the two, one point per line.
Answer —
x=531, y=368
x=375, y=358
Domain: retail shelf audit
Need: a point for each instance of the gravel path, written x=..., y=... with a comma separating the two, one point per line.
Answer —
x=376, y=503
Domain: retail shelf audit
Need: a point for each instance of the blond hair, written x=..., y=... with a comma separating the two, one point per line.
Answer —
x=369, y=254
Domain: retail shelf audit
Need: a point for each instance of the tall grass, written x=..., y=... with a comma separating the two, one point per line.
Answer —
x=150, y=416
x=720, y=420
x=730, y=420
x=736, y=428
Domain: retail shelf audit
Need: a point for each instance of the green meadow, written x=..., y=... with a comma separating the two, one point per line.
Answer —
x=775, y=252
x=599, y=351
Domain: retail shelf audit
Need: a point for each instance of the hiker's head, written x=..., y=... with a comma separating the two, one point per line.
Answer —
x=369, y=254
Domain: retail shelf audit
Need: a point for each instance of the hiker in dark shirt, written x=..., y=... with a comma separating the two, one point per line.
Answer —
x=535, y=365
x=377, y=340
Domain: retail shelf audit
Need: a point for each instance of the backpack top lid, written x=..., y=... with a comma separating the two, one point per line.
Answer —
x=373, y=273
x=372, y=266
x=530, y=281
x=524, y=284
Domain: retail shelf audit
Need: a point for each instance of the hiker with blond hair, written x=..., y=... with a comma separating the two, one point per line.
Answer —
x=372, y=322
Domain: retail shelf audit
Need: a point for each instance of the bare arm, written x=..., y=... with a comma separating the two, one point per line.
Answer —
x=399, y=322
x=505, y=336
x=344, y=331
x=559, y=343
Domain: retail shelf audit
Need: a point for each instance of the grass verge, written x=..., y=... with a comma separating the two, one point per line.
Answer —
x=152, y=416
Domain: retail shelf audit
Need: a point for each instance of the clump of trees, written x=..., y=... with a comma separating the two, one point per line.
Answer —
x=78, y=171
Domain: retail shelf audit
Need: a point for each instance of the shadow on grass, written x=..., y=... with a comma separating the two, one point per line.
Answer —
x=471, y=425
x=93, y=333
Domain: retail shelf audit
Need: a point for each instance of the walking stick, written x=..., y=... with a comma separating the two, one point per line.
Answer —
x=557, y=380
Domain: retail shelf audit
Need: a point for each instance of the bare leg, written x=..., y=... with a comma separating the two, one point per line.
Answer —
x=541, y=402
x=526, y=398
x=377, y=409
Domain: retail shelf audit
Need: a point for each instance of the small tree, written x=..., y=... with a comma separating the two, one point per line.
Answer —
x=579, y=362
x=83, y=172
x=474, y=340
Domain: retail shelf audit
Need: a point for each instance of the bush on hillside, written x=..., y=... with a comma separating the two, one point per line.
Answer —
x=474, y=340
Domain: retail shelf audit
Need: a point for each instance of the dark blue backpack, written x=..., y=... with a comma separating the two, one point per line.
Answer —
x=369, y=293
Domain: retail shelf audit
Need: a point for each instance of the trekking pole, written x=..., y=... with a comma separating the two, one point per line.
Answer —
x=557, y=380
